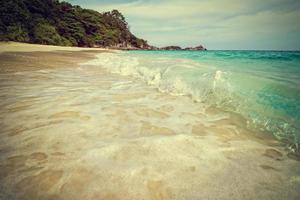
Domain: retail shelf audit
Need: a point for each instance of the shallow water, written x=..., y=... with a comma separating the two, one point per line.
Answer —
x=261, y=86
x=82, y=132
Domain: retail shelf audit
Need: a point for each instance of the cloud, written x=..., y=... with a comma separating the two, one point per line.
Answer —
x=205, y=8
x=234, y=24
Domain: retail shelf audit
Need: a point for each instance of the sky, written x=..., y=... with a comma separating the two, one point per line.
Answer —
x=216, y=24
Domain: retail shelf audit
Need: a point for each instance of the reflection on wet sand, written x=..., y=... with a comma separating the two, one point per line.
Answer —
x=72, y=131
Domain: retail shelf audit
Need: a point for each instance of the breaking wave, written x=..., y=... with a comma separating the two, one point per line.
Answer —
x=236, y=91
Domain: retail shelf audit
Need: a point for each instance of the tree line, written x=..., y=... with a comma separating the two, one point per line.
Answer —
x=59, y=23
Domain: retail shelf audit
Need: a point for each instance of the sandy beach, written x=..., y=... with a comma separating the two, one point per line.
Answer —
x=72, y=130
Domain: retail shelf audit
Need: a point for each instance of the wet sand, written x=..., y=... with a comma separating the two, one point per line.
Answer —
x=75, y=131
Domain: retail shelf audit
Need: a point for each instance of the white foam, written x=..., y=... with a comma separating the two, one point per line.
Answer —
x=167, y=75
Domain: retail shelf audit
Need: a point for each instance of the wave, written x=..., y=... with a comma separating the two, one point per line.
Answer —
x=211, y=86
x=177, y=77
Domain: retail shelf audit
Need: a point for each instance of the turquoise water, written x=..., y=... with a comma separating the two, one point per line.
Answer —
x=261, y=86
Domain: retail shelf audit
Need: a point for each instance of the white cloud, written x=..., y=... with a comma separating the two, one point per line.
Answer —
x=218, y=24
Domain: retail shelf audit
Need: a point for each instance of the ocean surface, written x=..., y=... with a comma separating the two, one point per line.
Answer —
x=263, y=87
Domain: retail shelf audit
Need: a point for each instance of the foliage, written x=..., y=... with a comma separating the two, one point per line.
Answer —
x=60, y=23
x=44, y=33
x=16, y=33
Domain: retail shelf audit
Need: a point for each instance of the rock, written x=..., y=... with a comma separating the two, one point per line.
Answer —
x=198, y=48
x=130, y=47
x=176, y=48
x=153, y=48
x=171, y=48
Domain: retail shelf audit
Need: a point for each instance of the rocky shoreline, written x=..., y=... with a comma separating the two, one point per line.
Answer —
x=178, y=48
x=153, y=48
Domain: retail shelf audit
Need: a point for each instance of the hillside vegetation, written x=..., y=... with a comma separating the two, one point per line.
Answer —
x=60, y=23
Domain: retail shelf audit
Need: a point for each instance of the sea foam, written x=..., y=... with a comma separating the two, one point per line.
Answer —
x=227, y=82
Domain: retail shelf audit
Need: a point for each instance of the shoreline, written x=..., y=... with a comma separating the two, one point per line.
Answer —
x=28, y=47
x=14, y=45
x=75, y=131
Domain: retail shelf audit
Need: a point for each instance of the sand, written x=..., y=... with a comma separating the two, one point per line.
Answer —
x=75, y=131
x=23, y=47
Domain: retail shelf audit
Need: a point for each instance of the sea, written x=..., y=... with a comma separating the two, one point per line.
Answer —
x=262, y=87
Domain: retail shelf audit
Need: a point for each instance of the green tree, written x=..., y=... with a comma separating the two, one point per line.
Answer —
x=17, y=33
x=60, y=23
x=46, y=34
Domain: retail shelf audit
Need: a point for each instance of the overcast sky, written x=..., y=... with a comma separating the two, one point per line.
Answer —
x=217, y=24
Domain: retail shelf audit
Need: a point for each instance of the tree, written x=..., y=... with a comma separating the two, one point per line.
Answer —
x=59, y=23
x=47, y=34
x=17, y=33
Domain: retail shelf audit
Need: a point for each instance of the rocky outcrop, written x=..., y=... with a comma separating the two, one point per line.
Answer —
x=153, y=48
x=171, y=48
x=178, y=48
x=132, y=48
x=198, y=48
